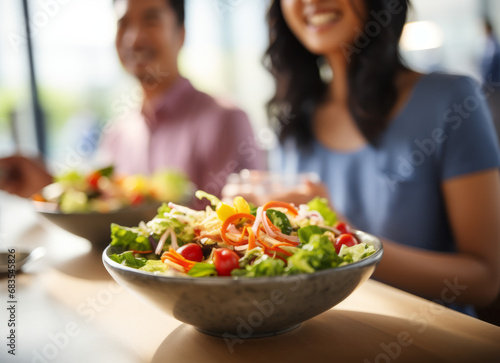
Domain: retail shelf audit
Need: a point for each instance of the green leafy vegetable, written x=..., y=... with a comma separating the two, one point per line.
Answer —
x=202, y=270
x=162, y=209
x=280, y=220
x=356, y=252
x=318, y=254
x=305, y=233
x=250, y=255
x=74, y=201
x=131, y=238
x=154, y=266
x=169, y=185
x=263, y=266
x=253, y=209
x=128, y=259
x=107, y=172
x=71, y=178
x=321, y=205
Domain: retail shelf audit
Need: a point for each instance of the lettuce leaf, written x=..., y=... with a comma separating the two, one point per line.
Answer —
x=263, y=266
x=128, y=259
x=162, y=209
x=131, y=238
x=317, y=254
x=305, y=233
x=321, y=205
x=203, y=270
x=154, y=266
x=356, y=252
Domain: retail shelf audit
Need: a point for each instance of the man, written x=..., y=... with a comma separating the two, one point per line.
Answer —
x=177, y=126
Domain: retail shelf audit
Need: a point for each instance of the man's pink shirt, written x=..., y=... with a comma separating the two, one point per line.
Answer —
x=188, y=131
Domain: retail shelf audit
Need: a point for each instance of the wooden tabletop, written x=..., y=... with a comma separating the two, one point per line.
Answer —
x=68, y=309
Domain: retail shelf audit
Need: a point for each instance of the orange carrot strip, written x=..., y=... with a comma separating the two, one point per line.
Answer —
x=251, y=239
x=229, y=220
x=278, y=204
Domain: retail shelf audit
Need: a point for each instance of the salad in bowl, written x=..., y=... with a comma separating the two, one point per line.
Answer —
x=239, y=240
x=241, y=271
x=103, y=191
x=85, y=204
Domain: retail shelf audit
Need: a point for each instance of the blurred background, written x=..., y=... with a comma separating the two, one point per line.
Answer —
x=82, y=86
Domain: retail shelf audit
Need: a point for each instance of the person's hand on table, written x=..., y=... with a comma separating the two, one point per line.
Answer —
x=23, y=176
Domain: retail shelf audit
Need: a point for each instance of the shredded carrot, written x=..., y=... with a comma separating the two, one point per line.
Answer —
x=242, y=236
x=251, y=239
x=175, y=257
x=231, y=219
x=278, y=204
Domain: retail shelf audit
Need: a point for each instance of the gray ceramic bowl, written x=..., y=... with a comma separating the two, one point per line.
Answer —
x=96, y=226
x=239, y=308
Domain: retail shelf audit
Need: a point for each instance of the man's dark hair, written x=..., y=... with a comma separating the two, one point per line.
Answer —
x=178, y=8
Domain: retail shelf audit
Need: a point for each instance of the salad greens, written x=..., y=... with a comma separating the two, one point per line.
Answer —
x=280, y=220
x=128, y=259
x=321, y=205
x=278, y=239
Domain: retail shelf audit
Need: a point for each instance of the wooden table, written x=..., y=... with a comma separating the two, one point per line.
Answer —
x=69, y=310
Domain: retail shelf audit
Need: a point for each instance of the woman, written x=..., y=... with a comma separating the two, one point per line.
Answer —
x=411, y=158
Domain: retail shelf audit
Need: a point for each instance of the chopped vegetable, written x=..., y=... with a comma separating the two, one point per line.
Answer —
x=229, y=241
x=202, y=270
x=128, y=259
x=224, y=211
x=191, y=252
x=321, y=205
x=200, y=194
x=102, y=191
x=280, y=220
x=225, y=261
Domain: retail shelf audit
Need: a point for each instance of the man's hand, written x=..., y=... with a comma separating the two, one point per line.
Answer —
x=22, y=176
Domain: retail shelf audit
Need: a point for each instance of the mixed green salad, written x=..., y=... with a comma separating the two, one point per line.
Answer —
x=104, y=191
x=239, y=240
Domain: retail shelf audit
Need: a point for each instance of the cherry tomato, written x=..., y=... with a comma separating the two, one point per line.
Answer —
x=136, y=199
x=342, y=227
x=225, y=261
x=191, y=252
x=345, y=239
x=93, y=179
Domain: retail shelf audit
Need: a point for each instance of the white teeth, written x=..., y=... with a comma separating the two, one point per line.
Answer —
x=323, y=18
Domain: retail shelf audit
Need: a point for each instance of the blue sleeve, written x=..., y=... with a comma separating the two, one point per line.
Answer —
x=470, y=141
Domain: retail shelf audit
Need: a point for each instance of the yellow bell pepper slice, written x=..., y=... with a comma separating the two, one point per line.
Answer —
x=224, y=211
x=241, y=205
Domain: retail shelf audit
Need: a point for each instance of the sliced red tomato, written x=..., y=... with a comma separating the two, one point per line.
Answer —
x=191, y=252
x=345, y=239
x=225, y=261
x=93, y=179
x=136, y=199
x=342, y=227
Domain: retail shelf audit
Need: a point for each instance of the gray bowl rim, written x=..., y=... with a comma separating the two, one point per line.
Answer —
x=226, y=280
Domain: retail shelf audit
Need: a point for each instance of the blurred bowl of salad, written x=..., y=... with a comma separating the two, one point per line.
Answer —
x=86, y=204
x=241, y=271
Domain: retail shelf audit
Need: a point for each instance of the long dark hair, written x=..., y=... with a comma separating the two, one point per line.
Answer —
x=372, y=68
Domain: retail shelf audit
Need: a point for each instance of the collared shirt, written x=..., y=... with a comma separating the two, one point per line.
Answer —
x=186, y=130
